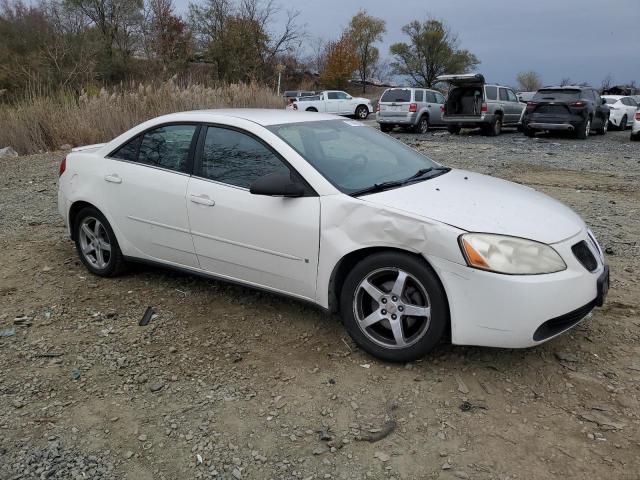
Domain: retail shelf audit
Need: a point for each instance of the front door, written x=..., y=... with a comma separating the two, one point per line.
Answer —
x=271, y=242
x=145, y=184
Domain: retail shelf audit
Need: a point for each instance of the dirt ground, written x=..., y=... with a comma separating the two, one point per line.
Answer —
x=229, y=383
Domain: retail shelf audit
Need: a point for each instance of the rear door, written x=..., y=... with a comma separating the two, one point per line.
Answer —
x=333, y=102
x=435, y=115
x=145, y=187
x=270, y=242
x=440, y=101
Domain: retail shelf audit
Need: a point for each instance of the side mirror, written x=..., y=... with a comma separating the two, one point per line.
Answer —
x=349, y=97
x=276, y=185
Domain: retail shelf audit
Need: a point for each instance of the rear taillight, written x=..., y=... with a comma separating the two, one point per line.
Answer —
x=413, y=107
x=377, y=108
x=578, y=104
x=442, y=108
x=638, y=116
x=63, y=166
x=531, y=105
x=484, y=108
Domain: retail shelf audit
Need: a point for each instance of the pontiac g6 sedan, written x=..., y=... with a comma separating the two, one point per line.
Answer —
x=332, y=212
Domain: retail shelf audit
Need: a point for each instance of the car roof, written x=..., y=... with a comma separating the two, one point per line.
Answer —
x=566, y=87
x=614, y=97
x=261, y=116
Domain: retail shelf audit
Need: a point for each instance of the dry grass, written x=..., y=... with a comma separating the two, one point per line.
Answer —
x=46, y=123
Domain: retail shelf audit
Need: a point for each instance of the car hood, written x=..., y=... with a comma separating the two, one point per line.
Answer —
x=480, y=203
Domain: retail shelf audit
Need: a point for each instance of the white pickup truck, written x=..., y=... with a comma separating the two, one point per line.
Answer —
x=335, y=101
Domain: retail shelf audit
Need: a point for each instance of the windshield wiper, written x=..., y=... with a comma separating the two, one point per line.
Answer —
x=379, y=187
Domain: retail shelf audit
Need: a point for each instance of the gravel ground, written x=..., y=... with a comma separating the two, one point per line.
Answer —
x=230, y=383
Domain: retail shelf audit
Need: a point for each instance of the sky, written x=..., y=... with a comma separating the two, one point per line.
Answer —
x=584, y=40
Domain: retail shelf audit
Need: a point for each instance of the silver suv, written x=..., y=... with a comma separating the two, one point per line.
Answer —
x=472, y=103
x=414, y=108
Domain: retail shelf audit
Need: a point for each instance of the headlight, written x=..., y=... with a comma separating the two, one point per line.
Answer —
x=511, y=255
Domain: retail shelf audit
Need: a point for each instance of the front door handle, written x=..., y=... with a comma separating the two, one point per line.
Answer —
x=113, y=178
x=202, y=200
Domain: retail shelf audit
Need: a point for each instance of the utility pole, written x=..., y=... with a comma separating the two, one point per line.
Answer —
x=279, y=68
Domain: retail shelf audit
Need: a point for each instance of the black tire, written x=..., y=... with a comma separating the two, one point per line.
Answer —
x=453, y=129
x=114, y=264
x=635, y=138
x=604, y=128
x=623, y=123
x=422, y=126
x=386, y=128
x=529, y=132
x=427, y=332
x=582, y=132
x=495, y=127
x=311, y=109
x=362, y=112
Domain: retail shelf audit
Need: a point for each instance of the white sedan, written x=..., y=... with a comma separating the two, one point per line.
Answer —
x=335, y=213
x=635, y=128
x=622, y=110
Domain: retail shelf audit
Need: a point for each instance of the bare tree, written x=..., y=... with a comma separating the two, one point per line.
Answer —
x=529, y=81
x=606, y=82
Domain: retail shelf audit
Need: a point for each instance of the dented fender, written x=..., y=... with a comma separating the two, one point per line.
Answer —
x=351, y=224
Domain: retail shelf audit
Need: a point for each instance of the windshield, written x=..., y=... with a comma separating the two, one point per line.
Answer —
x=396, y=95
x=559, y=95
x=351, y=156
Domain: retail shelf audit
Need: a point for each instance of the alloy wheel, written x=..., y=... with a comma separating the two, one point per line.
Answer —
x=94, y=242
x=424, y=125
x=587, y=128
x=392, y=308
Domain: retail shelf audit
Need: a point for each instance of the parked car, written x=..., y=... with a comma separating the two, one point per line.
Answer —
x=635, y=128
x=575, y=109
x=471, y=103
x=622, y=111
x=412, y=108
x=338, y=102
x=332, y=212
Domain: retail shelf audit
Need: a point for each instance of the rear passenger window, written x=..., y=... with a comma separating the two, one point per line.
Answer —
x=418, y=96
x=129, y=151
x=491, y=93
x=431, y=97
x=632, y=102
x=503, y=95
x=236, y=158
x=167, y=147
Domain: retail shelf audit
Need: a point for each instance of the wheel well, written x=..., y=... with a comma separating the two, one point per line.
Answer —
x=362, y=105
x=311, y=109
x=499, y=113
x=73, y=212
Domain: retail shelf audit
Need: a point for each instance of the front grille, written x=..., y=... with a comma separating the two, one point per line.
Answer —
x=559, y=324
x=585, y=256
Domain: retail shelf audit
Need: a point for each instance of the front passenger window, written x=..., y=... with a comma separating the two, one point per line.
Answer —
x=512, y=96
x=236, y=158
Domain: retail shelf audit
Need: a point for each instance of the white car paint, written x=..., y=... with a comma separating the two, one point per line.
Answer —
x=342, y=104
x=635, y=128
x=292, y=245
x=618, y=110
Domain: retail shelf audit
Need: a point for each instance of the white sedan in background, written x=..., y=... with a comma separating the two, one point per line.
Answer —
x=635, y=128
x=622, y=110
x=332, y=212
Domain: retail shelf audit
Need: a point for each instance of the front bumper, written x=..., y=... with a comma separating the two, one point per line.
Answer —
x=507, y=311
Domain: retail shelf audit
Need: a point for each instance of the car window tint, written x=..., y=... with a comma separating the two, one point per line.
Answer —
x=491, y=92
x=431, y=97
x=439, y=98
x=503, y=95
x=624, y=101
x=418, y=95
x=396, y=95
x=129, y=151
x=632, y=102
x=236, y=158
x=167, y=147
x=342, y=95
x=512, y=96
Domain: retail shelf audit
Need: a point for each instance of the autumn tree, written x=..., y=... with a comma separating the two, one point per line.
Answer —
x=341, y=61
x=432, y=50
x=364, y=31
x=529, y=81
x=167, y=37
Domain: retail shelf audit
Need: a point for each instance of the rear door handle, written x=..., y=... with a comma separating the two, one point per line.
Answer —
x=202, y=200
x=113, y=178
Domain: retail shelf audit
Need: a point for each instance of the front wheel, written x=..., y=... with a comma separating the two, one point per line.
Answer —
x=97, y=244
x=623, y=123
x=362, y=112
x=394, y=307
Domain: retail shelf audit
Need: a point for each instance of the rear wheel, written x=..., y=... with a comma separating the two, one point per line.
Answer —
x=394, y=307
x=583, y=130
x=386, y=128
x=623, y=123
x=312, y=109
x=495, y=127
x=97, y=244
x=529, y=132
x=635, y=137
x=422, y=126
x=362, y=112
x=604, y=128
x=453, y=129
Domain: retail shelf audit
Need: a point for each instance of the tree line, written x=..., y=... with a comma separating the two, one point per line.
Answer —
x=73, y=44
